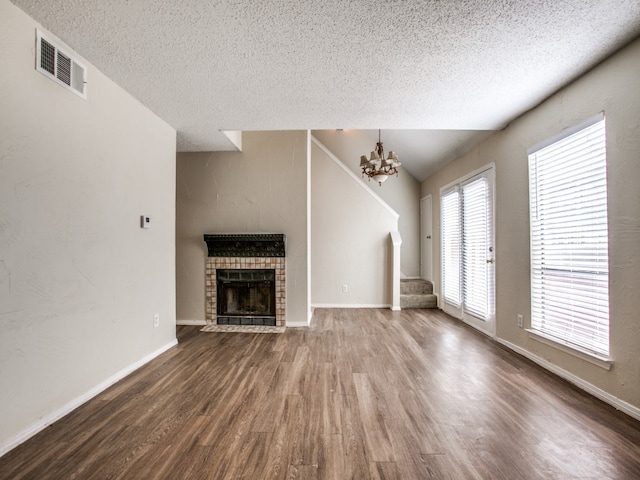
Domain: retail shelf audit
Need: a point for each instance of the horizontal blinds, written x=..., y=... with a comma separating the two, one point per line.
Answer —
x=476, y=271
x=569, y=240
x=451, y=246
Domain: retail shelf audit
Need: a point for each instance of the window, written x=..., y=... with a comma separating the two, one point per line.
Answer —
x=569, y=238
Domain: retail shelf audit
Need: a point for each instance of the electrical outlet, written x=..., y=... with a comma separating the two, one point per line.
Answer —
x=520, y=320
x=156, y=320
x=345, y=289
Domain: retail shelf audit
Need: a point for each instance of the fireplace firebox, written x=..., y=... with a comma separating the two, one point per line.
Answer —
x=246, y=297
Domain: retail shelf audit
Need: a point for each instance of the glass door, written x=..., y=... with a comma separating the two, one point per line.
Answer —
x=468, y=268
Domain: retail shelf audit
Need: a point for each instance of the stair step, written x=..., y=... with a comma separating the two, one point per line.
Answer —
x=415, y=287
x=418, y=301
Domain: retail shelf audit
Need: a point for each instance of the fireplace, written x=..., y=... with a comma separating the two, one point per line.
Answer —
x=246, y=297
x=245, y=279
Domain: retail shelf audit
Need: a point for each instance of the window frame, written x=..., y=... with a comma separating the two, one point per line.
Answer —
x=569, y=343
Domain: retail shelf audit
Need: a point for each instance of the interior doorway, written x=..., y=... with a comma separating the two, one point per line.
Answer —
x=426, y=244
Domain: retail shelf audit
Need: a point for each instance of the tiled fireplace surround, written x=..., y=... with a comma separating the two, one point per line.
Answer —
x=249, y=251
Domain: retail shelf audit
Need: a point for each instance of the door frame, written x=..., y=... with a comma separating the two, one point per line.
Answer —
x=487, y=326
x=426, y=238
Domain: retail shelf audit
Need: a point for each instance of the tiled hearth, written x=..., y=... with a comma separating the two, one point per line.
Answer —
x=254, y=252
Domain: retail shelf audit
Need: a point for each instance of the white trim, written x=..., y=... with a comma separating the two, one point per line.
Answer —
x=191, y=322
x=47, y=420
x=595, y=359
x=356, y=178
x=350, y=305
x=606, y=397
x=395, y=309
x=396, y=242
x=309, y=239
x=297, y=325
x=426, y=272
x=292, y=324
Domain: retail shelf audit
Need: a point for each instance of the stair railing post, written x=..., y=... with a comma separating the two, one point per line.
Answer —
x=396, y=242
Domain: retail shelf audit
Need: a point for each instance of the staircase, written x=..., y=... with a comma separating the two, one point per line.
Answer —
x=417, y=294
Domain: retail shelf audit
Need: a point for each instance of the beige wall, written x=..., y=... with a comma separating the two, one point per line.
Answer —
x=262, y=189
x=350, y=231
x=80, y=280
x=401, y=193
x=612, y=87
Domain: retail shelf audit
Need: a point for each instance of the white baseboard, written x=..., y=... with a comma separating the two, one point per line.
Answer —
x=352, y=305
x=606, y=397
x=47, y=420
x=191, y=322
x=297, y=325
x=395, y=309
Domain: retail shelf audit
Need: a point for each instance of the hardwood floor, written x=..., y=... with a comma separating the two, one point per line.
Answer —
x=362, y=394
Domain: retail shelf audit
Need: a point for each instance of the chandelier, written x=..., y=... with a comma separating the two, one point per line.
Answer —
x=378, y=167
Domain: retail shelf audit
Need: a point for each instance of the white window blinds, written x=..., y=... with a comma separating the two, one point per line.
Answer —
x=569, y=239
x=477, y=250
x=451, y=246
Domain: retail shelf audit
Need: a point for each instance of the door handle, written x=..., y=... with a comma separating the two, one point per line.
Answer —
x=428, y=237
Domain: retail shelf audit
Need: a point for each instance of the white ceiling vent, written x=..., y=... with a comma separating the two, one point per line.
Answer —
x=60, y=66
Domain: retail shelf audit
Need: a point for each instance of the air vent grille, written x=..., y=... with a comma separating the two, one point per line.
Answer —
x=64, y=69
x=60, y=66
x=47, y=56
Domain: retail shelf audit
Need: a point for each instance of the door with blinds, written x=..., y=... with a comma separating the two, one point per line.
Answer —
x=468, y=253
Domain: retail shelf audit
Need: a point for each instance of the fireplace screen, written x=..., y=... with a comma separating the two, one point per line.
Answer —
x=246, y=297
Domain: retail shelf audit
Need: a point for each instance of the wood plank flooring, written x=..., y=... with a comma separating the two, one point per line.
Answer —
x=361, y=394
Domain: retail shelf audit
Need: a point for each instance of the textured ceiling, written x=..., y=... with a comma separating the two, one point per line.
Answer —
x=205, y=66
